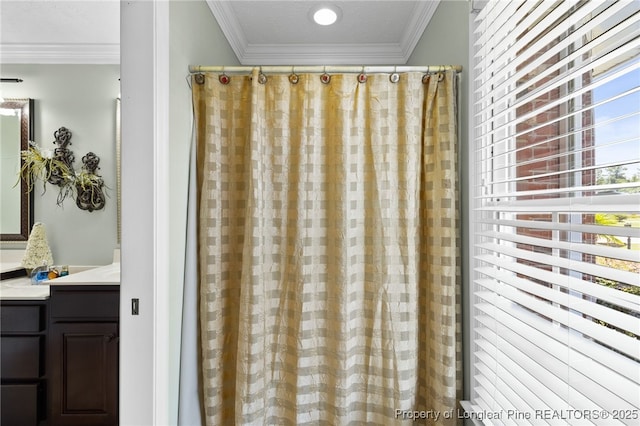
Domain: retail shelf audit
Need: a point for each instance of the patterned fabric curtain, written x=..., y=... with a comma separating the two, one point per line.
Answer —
x=328, y=249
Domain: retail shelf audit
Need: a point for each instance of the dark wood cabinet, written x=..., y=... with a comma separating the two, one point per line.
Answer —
x=83, y=355
x=23, y=329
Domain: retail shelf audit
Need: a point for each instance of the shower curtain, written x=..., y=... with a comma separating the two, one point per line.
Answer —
x=328, y=248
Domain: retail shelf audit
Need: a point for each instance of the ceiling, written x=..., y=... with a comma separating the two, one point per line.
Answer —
x=263, y=32
x=283, y=32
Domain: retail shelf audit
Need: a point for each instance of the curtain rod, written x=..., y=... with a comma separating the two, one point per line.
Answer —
x=276, y=69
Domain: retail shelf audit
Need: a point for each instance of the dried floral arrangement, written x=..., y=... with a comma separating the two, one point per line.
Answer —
x=56, y=168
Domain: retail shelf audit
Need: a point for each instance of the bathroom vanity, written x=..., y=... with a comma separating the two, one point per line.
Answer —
x=59, y=350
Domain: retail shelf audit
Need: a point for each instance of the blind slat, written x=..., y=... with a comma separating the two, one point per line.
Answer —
x=595, y=204
x=618, y=231
x=619, y=187
x=604, y=251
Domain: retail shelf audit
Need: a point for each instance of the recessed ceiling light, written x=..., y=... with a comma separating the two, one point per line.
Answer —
x=325, y=15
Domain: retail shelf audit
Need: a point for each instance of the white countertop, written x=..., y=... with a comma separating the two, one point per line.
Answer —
x=22, y=289
x=102, y=275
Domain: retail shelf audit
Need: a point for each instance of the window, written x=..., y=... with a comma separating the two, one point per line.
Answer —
x=555, y=296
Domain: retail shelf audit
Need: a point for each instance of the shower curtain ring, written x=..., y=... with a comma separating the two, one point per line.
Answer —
x=325, y=78
x=262, y=79
x=362, y=77
x=293, y=78
x=223, y=78
x=394, y=77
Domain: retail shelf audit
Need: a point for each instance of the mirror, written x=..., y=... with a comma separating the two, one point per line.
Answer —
x=16, y=129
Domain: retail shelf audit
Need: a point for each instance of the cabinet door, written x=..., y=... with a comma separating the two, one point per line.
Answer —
x=19, y=404
x=84, y=374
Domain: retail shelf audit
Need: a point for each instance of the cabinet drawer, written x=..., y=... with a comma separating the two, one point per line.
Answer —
x=20, y=357
x=19, y=406
x=22, y=319
x=84, y=302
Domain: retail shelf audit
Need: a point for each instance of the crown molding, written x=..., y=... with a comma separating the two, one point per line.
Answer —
x=226, y=18
x=301, y=54
x=423, y=13
x=60, y=53
x=314, y=54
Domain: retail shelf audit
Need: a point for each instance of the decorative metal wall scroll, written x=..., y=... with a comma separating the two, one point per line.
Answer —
x=59, y=175
x=56, y=168
x=89, y=195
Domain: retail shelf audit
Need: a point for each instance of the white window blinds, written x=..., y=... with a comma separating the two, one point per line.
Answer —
x=555, y=297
